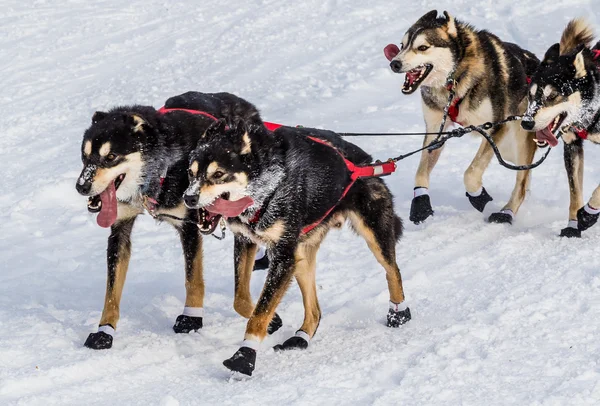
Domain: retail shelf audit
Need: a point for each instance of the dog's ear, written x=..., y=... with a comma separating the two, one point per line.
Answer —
x=431, y=16
x=450, y=24
x=99, y=116
x=579, y=64
x=552, y=54
x=215, y=129
x=136, y=121
x=242, y=142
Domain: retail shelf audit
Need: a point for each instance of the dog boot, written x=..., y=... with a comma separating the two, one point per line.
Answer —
x=243, y=361
x=571, y=230
x=298, y=342
x=261, y=261
x=190, y=320
x=587, y=216
x=420, y=208
x=504, y=216
x=275, y=324
x=479, y=199
x=102, y=340
x=398, y=315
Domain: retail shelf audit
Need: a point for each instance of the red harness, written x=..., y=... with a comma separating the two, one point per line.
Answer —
x=356, y=172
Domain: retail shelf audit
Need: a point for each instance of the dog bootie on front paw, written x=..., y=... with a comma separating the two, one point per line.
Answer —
x=275, y=324
x=420, y=208
x=298, y=342
x=502, y=217
x=190, y=320
x=479, y=199
x=587, y=216
x=398, y=314
x=261, y=261
x=243, y=361
x=102, y=340
x=571, y=231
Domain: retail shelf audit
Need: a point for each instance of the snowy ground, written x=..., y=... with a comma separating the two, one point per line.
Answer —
x=501, y=315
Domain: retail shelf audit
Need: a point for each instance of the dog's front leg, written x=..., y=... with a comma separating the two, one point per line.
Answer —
x=573, y=157
x=473, y=177
x=278, y=279
x=420, y=208
x=193, y=312
x=118, y=254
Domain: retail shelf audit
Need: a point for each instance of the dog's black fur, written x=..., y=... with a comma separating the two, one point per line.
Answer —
x=146, y=146
x=293, y=182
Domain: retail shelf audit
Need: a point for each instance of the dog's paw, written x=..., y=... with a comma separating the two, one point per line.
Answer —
x=396, y=318
x=480, y=201
x=570, y=232
x=275, y=324
x=501, y=218
x=293, y=343
x=242, y=361
x=99, y=341
x=420, y=209
x=185, y=324
x=586, y=219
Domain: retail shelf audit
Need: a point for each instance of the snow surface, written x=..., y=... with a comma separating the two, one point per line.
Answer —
x=501, y=314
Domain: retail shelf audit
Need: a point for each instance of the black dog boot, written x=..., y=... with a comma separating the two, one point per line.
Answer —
x=420, y=208
x=102, y=340
x=502, y=217
x=275, y=324
x=262, y=263
x=398, y=314
x=298, y=342
x=571, y=231
x=479, y=200
x=190, y=320
x=587, y=216
x=243, y=361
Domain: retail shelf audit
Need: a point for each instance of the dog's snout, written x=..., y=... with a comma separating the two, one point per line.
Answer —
x=396, y=66
x=83, y=187
x=528, y=123
x=191, y=201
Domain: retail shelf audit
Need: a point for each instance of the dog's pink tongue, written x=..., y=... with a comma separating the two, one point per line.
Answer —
x=391, y=51
x=412, y=76
x=546, y=135
x=229, y=208
x=108, y=210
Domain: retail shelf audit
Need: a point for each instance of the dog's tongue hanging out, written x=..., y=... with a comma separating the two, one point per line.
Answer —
x=230, y=208
x=391, y=51
x=108, y=210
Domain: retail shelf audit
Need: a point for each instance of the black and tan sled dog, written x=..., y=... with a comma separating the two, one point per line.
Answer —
x=489, y=77
x=135, y=158
x=286, y=189
x=564, y=100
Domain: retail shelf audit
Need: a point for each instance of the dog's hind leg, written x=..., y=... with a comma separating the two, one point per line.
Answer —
x=278, y=279
x=420, y=208
x=244, y=252
x=193, y=312
x=373, y=218
x=306, y=263
x=525, y=153
x=573, y=157
x=118, y=254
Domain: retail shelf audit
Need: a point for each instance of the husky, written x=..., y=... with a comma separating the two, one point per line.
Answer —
x=136, y=158
x=489, y=78
x=564, y=101
x=285, y=189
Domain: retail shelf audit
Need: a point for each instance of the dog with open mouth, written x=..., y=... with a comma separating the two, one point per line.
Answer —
x=489, y=77
x=135, y=158
x=564, y=101
x=286, y=189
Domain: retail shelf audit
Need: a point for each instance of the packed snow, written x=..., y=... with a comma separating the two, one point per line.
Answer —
x=502, y=315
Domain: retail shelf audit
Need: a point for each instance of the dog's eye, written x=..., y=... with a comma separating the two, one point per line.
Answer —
x=552, y=96
x=218, y=175
x=423, y=48
x=111, y=157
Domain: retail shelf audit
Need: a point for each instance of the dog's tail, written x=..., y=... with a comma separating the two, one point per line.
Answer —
x=398, y=227
x=578, y=32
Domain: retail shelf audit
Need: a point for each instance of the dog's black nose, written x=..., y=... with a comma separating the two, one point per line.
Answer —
x=191, y=201
x=527, y=123
x=83, y=188
x=396, y=66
